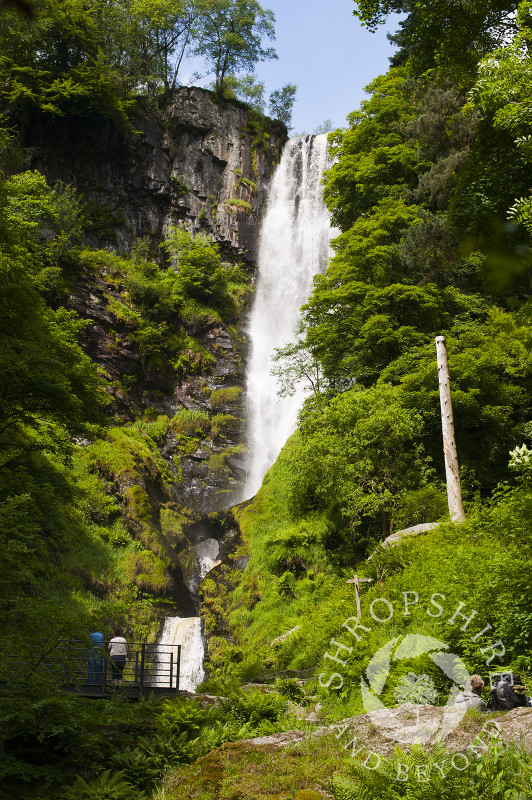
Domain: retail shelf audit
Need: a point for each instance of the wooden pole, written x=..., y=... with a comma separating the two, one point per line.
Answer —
x=357, y=581
x=454, y=490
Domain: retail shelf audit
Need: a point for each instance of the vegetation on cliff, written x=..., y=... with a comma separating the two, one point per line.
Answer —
x=94, y=60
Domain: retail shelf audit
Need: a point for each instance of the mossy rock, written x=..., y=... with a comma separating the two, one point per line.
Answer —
x=147, y=571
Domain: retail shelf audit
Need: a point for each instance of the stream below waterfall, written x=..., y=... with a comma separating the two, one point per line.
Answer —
x=294, y=246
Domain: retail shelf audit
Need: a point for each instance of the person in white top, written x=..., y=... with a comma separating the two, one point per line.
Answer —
x=118, y=653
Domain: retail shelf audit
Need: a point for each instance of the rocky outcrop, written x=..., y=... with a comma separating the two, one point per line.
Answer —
x=195, y=160
x=203, y=164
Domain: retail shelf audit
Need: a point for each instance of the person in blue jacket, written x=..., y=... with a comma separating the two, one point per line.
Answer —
x=95, y=657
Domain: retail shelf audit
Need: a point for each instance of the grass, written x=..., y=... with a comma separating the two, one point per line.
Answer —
x=291, y=580
x=221, y=397
x=234, y=203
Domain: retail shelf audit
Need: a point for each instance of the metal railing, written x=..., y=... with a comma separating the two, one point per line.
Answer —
x=77, y=664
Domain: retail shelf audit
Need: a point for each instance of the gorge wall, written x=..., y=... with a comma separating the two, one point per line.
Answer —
x=205, y=165
x=194, y=160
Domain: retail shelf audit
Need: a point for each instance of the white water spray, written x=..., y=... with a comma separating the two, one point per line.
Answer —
x=294, y=246
x=185, y=631
x=207, y=553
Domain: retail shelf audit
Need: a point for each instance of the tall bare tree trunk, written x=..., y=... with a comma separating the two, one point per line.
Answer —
x=454, y=490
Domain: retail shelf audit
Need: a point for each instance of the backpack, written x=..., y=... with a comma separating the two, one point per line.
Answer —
x=505, y=695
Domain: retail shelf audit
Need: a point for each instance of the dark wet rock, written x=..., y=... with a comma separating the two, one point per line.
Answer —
x=181, y=163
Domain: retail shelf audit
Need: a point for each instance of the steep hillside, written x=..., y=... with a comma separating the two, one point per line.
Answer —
x=143, y=241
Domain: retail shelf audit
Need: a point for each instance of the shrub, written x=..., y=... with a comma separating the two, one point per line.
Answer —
x=255, y=706
x=235, y=204
x=199, y=267
x=190, y=423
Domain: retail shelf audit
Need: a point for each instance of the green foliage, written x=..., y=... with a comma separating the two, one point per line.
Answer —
x=252, y=707
x=234, y=203
x=107, y=785
x=221, y=397
x=247, y=88
x=200, y=274
x=92, y=61
x=286, y=584
x=500, y=97
x=47, y=730
x=288, y=687
x=281, y=103
x=185, y=717
x=230, y=39
x=59, y=64
x=48, y=385
x=484, y=564
x=501, y=772
x=420, y=505
x=441, y=36
x=373, y=152
x=356, y=455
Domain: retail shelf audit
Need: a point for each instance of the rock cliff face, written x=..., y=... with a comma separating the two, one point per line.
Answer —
x=204, y=165
x=197, y=162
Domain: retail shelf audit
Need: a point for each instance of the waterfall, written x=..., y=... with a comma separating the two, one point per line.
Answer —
x=294, y=246
x=207, y=553
x=187, y=632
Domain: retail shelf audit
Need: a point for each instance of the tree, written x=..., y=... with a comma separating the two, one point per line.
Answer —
x=295, y=364
x=247, y=88
x=83, y=58
x=162, y=31
x=374, y=152
x=200, y=273
x=501, y=96
x=48, y=386
x=325, y=127
x=443, y=34
x=282, y=102
x=230, y=37
x=60, y=63
x=354, y=456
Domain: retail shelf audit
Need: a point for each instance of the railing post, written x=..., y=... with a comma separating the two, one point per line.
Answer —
x=136, y=666
x=178, y=667
x=171, y=668
x=142, y=656
x=104, y=682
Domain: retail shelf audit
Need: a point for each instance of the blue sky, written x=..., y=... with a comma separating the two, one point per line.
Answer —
x=324, y=49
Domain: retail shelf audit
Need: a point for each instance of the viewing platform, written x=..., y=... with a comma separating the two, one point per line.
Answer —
x=88, y=671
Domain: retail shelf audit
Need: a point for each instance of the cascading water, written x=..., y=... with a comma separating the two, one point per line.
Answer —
x=294, y=246
x=207, y=553
x=187, y=632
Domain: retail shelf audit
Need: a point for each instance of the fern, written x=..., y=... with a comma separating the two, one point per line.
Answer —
x=107, y=786
x=137, y=767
